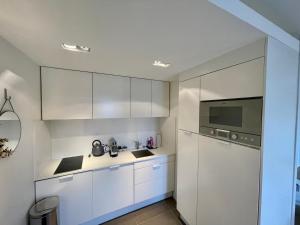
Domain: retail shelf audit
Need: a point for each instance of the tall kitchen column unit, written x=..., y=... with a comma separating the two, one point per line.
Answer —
x=218, y=181
x=187, y=155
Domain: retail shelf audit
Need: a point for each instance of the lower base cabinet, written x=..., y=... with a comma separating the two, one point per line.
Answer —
x=75, y=195
x=89, y=195
x=153, y=178
x=112, y=189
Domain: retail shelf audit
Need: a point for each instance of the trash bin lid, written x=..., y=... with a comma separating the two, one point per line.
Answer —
x=44, y=207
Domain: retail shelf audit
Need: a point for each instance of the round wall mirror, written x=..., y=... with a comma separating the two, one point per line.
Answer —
x=10, y=133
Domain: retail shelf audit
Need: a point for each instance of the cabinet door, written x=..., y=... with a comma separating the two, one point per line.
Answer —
x=140, y=97
x=111, y=96
x=160, y=99
x=112, y=189
x=189, y=101
x=228, y=183
x=187, y=172
x=75, y=196
x=66, y=94
x=241, y=81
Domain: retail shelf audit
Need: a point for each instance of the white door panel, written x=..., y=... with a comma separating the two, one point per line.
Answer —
x=66, y=94
x=111, y=96
x=228, y=183
x=75, y=196
x=187, y=173
x=189, y=101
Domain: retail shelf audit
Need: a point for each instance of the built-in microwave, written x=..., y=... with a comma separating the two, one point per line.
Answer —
x=235, y=120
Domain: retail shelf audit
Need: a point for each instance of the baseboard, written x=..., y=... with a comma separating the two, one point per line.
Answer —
x=121, y=212
x=183, y=220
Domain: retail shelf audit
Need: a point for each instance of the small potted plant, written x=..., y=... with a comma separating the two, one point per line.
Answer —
x=4, y=151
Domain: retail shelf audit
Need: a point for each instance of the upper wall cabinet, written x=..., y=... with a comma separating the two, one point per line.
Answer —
x=241, y=81
x=66, y=94
x=140, y=97
x=111, y=96
x=160, y=99
x=189, y=100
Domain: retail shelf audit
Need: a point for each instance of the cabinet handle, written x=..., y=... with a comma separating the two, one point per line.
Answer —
x=114, y=167
x=222, y=142
x=65, y=179
x=187, y=132
x=156, y=166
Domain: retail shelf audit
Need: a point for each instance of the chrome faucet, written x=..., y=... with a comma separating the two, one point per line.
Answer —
x=137, y=144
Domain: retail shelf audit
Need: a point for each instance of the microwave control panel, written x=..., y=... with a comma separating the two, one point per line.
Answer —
x=232, y=136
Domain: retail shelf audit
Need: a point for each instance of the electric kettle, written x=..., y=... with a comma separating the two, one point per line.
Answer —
x=98, y=149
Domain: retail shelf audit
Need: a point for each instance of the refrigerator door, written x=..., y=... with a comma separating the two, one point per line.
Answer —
x=228, y=183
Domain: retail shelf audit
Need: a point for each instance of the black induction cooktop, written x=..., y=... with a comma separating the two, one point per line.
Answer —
x=142, y=153
x=69, y=164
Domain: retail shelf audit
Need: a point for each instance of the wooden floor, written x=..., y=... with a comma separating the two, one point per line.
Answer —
x=161, y=213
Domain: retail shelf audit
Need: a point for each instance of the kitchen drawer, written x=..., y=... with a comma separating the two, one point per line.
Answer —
x=154, y=172
x=150, y=163
x=112, y=189
x=154, y=187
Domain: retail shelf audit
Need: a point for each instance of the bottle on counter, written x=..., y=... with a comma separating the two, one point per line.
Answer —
x=158, y=141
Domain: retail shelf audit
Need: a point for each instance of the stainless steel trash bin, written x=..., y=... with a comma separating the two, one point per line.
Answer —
x=44, y=212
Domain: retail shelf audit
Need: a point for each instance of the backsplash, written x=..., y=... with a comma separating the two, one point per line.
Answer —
x=74, y=137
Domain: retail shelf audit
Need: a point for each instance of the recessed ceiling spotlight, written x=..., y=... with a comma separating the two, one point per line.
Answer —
x=161, y=64
x=75, y=48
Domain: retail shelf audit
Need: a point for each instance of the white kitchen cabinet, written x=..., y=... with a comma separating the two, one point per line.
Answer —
x=240, y=81
x=228, y=183
x=66, y=94
x=189, y=101
x=154, y=178
x=111, y=96
x=160, y=98
x=140, y=98
x=187, y=173
x=112, y=189
x=75, y=196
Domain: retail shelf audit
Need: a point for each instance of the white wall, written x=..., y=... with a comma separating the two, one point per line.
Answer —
x=42, y=147
x=278, y=139
x=21, y=77
x=237, y=56
x=74, y=137
x=169, y=124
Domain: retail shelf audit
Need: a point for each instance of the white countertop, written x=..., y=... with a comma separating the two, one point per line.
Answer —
x=46, y=169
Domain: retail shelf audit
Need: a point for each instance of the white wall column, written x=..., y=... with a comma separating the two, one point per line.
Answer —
x=278, y=141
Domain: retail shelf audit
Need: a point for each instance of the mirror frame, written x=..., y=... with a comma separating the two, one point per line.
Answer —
x=20, y=133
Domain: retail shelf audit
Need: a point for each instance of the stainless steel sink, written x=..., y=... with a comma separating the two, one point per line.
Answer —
x=142, y=153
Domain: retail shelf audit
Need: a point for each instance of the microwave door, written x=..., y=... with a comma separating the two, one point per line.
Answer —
x=242, y=115
x=231, y=116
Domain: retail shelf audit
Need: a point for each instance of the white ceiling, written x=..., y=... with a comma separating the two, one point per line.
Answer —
x=125, y=36
x=284, y=13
